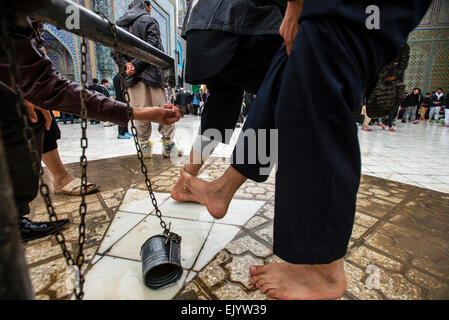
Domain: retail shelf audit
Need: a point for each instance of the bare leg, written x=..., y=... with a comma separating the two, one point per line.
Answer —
x=59, y=173
x=287, y=281
x=215, y=195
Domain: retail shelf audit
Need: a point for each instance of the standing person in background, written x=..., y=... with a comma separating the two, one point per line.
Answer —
x=97, y=88
x=411, y=103
x=105, y=89
x=196, y=103
x=230, y=45
x=144, y=81
x=436, y=103
x=182, y=101
x=446, y=111
x=425, y=106
x=116, y=82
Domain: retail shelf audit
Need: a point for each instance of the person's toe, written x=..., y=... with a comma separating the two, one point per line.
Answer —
x=273, y=294
x=267, y=286
x=256, y=270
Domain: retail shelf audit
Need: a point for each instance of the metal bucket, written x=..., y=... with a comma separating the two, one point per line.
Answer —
x=161, y=262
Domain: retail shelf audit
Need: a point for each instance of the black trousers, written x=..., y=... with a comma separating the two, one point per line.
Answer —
x=25, y=182
x=244, y=72
x=309, y=97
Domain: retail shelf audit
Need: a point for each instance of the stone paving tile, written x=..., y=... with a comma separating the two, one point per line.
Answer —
x=231, y=291
x=239, y=269
x=402, y=229
x=213, y=273
x=266, y=233
x=249, y=244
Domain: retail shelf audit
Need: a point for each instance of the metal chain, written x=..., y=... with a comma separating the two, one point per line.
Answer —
x=173, y=236
x=9, y=48
x=79, y=292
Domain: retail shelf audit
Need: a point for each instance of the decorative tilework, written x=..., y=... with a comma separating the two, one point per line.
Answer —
x=440, y=71
x=416, y=74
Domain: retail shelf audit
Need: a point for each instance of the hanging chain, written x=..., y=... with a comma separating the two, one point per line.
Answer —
x=79, y=292
x=173, y=236
x=10, y=50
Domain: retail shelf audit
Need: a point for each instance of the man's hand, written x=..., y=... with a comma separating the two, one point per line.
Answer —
x=290, y=26
x=130, y=69
x=31, y=108
x=167, y=115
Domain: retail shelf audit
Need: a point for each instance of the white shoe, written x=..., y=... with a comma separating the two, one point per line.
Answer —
x=169, y=147
x=147, y=149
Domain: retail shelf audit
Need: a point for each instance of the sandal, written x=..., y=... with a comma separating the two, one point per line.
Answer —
x=73, y=188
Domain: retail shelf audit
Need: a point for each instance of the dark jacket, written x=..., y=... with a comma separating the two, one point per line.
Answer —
x=42, y=86
x=411, y=100
x=436, y=102
x=138, y=22
x=246, y=17
x=100, y=89
x=182, y=99
x=116, y=82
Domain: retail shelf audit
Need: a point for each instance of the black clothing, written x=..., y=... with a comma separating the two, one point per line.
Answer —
x=51, y=136
x=138, y=22
x=245, y=72
x=182, y=99
x=411, y=100
x=243, y=17
x=434, y=99
x=397, y=17
x=318, y=161
x=116, y=82
x=98, y=88
x=24, y=181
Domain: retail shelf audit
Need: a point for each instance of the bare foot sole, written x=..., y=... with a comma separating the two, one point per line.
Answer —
x=205, y=193
x=286, y=281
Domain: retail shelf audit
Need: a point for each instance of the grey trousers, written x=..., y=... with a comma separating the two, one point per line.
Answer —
x=142, y=95
x=410, y=113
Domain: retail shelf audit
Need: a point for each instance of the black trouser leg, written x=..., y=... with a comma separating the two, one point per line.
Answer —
x=319, y=158
x=25, y=182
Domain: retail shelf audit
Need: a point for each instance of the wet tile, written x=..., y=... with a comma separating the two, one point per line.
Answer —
x=240, y=211
x=122, y=224
x=121, y=279
x=186, y=210
x=366, y=257
x=193, y=235
x=219, y=236
x=395, y=286
x=357, y=287
x=139, y=201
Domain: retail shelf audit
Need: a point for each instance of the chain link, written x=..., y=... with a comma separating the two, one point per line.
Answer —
x=10, y=50
x=171, y=235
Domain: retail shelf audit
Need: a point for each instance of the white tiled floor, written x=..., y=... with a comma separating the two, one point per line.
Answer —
x=414, y=154
x=116, y=273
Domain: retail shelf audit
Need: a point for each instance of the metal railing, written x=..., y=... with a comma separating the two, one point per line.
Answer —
x=96, y=28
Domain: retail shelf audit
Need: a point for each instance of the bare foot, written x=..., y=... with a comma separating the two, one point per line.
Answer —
x=287, y=281
x=209, y=194
x=180, y=192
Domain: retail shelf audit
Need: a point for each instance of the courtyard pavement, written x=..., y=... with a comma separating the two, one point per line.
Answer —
x=400, y=236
